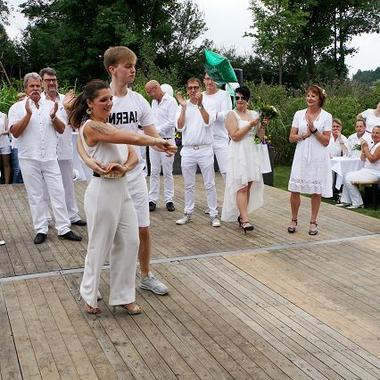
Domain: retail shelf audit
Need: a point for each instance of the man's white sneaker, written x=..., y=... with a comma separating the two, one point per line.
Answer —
x=186, y=219
x=151, y=283
x=215, y=221
x=342, y=204
x=352, y=207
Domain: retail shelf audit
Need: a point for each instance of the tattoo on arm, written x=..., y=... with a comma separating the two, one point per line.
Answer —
x=102, y=128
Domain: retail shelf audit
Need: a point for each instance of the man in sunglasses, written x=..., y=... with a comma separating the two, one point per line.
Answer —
x=195, y=122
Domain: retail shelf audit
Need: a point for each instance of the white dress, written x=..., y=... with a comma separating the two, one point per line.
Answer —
x=311, y=169
x=244, y=165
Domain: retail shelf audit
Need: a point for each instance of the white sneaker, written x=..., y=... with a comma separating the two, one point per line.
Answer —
x=2, y=242
x=215, y=221
x=352, y=207
x=342, y=204
x=186, y=219
x=151, y=283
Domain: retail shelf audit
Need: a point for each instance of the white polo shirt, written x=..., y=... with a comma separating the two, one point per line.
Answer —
x=353, y=140
x=371, y=120
x=39, y=139
x=65, y=140
x=195, y=130
x=221, y=104
x=128, y=112
x=164, y=113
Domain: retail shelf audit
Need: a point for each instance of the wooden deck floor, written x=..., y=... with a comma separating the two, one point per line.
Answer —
x=266, y=305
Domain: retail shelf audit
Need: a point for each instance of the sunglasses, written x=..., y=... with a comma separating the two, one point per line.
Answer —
x=193, y=88
x=240, y=97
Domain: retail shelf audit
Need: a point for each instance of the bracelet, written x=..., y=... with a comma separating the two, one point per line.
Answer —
x=53, y=118
x=315, y=131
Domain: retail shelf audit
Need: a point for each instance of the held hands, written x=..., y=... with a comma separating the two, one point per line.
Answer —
x=182, y=102
x=165, y=146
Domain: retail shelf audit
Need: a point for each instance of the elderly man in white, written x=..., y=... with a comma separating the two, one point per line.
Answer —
x=164, y=109
x=65, y=145
x=353, y=141
x=351, y=196
x=195, y=122
x=219, y=102
x=35, y=122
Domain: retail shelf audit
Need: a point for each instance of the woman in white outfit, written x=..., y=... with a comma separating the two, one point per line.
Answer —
x=244, y=181
x=311, y=170
x=351, y=196
x=111, y=218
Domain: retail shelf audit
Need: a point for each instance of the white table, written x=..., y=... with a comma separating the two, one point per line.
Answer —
x=344, y=165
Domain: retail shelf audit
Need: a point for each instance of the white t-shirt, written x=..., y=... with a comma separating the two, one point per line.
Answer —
x=164, y=116
x=221, y=104
x=195, y=130
x=334, y=147
x=4, y=139
x=39, y=139
x=353, y=140
x=371, y=120
x=65, y=140
x=128, y=112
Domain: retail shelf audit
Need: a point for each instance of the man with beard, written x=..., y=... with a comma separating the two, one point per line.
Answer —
x=35, y=122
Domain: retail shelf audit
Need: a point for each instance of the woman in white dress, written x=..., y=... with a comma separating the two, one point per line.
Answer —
x=244, y=180
x=111, y=217
x=311, y=170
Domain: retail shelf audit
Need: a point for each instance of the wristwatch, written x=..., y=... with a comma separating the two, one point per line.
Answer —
x=315, y=131
x=200, y=106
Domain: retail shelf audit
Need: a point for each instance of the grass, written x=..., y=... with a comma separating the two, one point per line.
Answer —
x=281, y=179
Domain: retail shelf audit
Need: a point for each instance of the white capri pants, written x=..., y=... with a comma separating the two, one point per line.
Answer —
x=158, y=160
x=204, y=158
x=39, y=175
x=112, y=232
x=351, y=193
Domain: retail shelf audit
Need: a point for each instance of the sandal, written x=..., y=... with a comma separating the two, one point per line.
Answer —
x=246, y=226
x=92, y=310
x=130, y=308
x=292, y=226
x=313, y=230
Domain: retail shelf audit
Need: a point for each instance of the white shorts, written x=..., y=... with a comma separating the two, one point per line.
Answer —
x=5, y=150
x=139, y=193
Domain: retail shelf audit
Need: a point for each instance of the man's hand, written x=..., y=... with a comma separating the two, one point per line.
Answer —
x=182, y=102
x=28, y=109
x=165, y=146
x=199, y=98
x=54, y=110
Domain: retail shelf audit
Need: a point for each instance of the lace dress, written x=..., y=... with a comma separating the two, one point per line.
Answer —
x=311, y=169
x=244, y=165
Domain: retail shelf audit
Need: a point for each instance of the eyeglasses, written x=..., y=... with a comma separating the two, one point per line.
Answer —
x=50, y=80
x=240, y=97
x=193, y=87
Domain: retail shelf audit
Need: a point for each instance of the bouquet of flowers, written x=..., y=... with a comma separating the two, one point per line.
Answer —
x=268, y=111
x=357, y=147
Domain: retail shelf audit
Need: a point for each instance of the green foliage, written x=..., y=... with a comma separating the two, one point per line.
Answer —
x=7, y=97
x=368, y=77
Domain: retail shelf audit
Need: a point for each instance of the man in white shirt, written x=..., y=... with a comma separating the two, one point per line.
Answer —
x=35, y=123
x=65, y=145
x=129, y=111
x=195, y=123
x=219, y=102
x=337, y=146
x=164, y=108
x=354, y=142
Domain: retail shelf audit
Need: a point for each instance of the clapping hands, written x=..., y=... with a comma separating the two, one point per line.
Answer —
x=182, y=102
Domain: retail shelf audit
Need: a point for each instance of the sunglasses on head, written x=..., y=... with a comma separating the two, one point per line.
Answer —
x=238, y=97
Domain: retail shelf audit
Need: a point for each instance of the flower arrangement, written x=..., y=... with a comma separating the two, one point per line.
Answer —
x=357, y=147
x=178, y=138
x=268, y=111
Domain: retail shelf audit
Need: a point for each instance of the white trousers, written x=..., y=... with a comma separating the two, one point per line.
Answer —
x=39, y=175
x=204, y=158
x=112, y=232
x=66, y=167
x=220, y=148
x=158, y=160
x=351, y=193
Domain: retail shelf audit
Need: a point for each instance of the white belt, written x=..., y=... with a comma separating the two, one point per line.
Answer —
x=197, y=147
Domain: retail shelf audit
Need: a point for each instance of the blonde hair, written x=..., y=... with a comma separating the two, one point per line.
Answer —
x=338, y=121
x=115, y=54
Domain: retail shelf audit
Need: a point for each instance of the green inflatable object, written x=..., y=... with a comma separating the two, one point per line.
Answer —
x=219, y=68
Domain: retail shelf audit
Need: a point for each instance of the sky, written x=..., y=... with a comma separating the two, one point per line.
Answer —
x=227, y=21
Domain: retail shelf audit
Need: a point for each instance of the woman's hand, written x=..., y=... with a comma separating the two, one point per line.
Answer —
x=165, y=146
x=68, y=100
x=118, y=169
x=253, y=123
x=96, y=166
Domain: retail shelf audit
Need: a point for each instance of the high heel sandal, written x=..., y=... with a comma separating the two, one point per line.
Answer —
x=246, y=226
x=239, y=220
x=313, y=230
x=131, y=308
x=92, y=310
x=292, y=228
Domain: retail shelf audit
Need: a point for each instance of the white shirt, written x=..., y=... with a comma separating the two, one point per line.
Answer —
x=221, y=104
x=164, y=116
x=373, y=165
x=371, y=120
x=128, y=112
x=354, y=140
x=4, y=139
x=39, y=139
x=334, y=147
x=195, y=130
x=65, y=140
